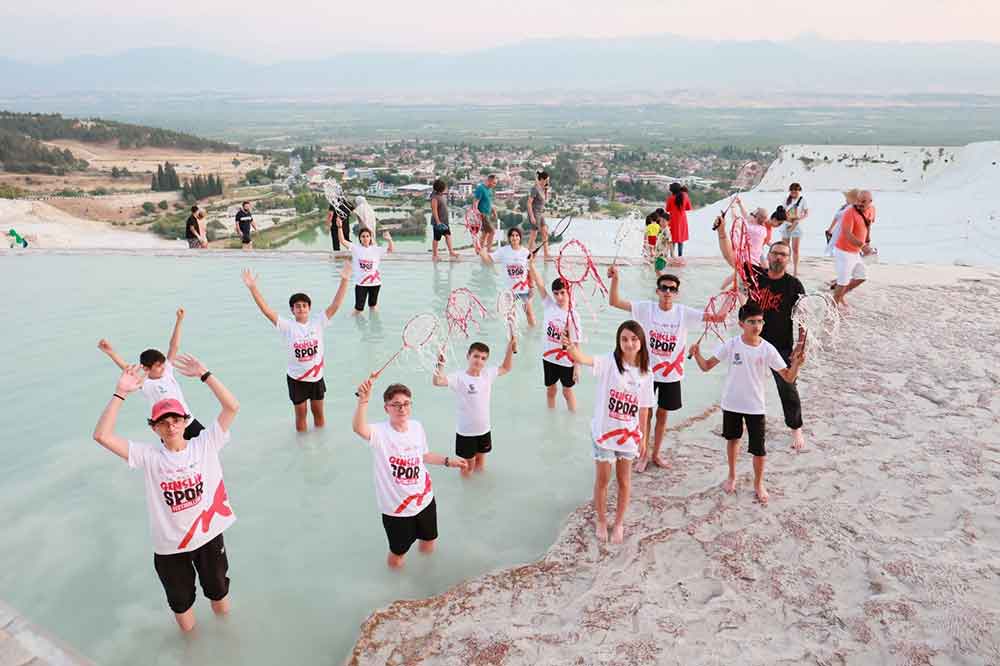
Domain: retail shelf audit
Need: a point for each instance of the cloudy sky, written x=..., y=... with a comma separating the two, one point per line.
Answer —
x=269, y=31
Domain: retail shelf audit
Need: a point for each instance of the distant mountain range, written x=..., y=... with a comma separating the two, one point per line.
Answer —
x=761, y=69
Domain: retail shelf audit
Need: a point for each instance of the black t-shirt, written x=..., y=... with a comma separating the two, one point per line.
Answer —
x=777, y=298
x=243, y=218
x=192, y=229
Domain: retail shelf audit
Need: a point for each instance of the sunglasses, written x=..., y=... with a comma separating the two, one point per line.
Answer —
x=665, y=288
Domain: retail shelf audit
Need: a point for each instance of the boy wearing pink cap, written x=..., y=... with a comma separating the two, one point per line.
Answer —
x=185, y=493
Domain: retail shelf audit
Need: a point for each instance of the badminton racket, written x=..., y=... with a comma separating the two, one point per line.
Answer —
x=419, y=331
x=556, y=234
x=507, y=311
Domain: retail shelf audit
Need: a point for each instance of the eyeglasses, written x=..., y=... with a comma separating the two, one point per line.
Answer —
x=668, y=288
x=779, y=254
x=400, y=405
x=754, y=322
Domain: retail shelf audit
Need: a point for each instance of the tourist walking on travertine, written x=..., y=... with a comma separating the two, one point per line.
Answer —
x=791, y=231
x=678, y=204
x=537, y=199
x=618, y=429
x=245, y=224
x=853, y=243
x=832, y=232
x=194, y=231
x=439, y=219
x=186, y=497
x=483, y=203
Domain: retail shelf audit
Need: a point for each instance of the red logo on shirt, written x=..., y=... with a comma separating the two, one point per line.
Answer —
x=767, y=299
x=661, y=344
x=622, y=405
x=182, y=494
x=366, y=264
x=219, y=507
x=405, y=471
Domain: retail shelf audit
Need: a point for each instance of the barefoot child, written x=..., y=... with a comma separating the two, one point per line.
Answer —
x=304, y=336
x=472, y=390
x=666, y=325
x=365, y=259
x=160, y=382
x=402, y=484
x=750, y=357
x=621, y=412
x=515, y=259
x=185, y=494
x=557, y=364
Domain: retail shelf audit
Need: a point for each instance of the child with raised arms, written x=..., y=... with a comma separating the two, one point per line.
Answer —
x=557, y=365
x=160, y=382
x=365, y=260
x=399, y=459
x=473, y=389
x=750, y=357
x=618, y=428
x=514, y=258
x=185, y=494
x=303, y=334
x=666, y=325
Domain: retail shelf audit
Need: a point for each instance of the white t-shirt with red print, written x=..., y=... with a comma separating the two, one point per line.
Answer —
x=185, y=494
x=620, y=396
x=666, y=336
x=364, y=264
x=748, y=374
x=402, y=484
x=473, y=398
x=305, y=346
x=514, y=264
x=552, y=330
x=165, y=387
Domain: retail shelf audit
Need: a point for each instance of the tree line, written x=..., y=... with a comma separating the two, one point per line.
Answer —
x=166, y=180
x=21, y=154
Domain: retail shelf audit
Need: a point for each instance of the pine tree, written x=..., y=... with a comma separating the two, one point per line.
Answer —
x=153, y=185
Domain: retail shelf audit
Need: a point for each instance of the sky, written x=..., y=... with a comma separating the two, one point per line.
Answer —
x=272, y=32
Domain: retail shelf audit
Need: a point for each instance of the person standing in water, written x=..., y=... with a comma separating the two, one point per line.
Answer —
x=557, y=366
x=537, y=199
x=514, y=258
x=483, y=203
x=678, y=204
x=439, y=219
x=365, y=260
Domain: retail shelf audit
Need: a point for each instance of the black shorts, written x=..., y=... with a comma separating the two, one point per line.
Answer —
x=440, y=231
x=467, y=446
x=362, y=293
x=177, y=574
x=558, y=373
x=403, y=531
x=732, y=428
x=668, y=395
x=245, y=232
x=193, y=429
x=299, y=391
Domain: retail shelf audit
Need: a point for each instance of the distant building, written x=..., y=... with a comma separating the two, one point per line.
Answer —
x=414, y=190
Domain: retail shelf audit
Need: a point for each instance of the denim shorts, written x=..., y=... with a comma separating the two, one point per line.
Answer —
x=607, y=455
x=524, y=297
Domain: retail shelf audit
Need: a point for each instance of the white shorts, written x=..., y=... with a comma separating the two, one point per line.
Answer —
x=849, y=266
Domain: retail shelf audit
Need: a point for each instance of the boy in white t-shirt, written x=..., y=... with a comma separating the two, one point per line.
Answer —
x=515, y=260
x=750, y=357
x=185, y=494
x=557, y=365
x=160, y=382
x=473, y=389
x=399, y=459
x=303, y=335
x=666, y=324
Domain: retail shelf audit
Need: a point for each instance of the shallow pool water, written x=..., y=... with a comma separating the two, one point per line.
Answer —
x=307, y=553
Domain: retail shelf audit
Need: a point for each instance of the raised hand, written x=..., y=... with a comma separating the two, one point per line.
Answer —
x=104, y=346
x=180, y=313
x=612, y=271
x=189, y=366
x=249, y=279
x=365, y=388
x=694, y=349
x=131, y=379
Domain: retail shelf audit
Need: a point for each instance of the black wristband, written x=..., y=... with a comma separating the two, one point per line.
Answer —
x=205, y=376
x=120, y=397
x=446, y=462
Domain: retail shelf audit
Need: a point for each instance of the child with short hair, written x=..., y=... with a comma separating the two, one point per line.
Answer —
x=557, y=365
x=160, y=382
x=473, y=389
x=652, y=233
x=619, y=428
x=515, y=259
x=399, y=458
x=750, y=357
x=304, y=336
x=185, y=494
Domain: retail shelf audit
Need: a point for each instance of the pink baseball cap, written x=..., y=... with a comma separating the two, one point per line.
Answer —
x=165, y=407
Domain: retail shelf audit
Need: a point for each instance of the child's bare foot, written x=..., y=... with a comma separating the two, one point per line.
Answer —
x=454, y=255
x=798, y=440
x=640, y=464
x=729, y=485
x=602, y=532
x=434, y=257
x=617, y=533
x=761, y=493
x=660, y=461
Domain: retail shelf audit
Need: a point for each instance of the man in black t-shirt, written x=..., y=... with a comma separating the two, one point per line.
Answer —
x=192, y=230
x=778, y=293
x=244, y=224
x=336, y=216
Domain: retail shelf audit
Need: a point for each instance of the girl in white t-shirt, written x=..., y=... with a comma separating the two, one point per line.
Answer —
x=365, y=260
x=514, y=259
x=751, y=358
x=400, y=457
x=618, y=429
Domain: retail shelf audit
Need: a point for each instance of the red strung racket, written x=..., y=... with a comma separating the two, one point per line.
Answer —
x=576, y=267
x=507, y=311
x=417, y=333
x=463, y=311
x=474, y=224
x=717, y=311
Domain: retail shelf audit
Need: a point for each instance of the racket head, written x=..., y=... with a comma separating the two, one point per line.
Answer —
x=506, y=303
x=573, y=263
x=462, y=309
x=333, y=191
x=419, y=330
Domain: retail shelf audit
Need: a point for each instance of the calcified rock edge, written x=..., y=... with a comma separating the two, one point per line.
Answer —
x=881, y=543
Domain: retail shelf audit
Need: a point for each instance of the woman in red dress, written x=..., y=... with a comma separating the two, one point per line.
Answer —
x=678, y=204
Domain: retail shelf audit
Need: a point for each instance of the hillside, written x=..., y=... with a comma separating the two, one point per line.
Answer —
x=21, y=154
